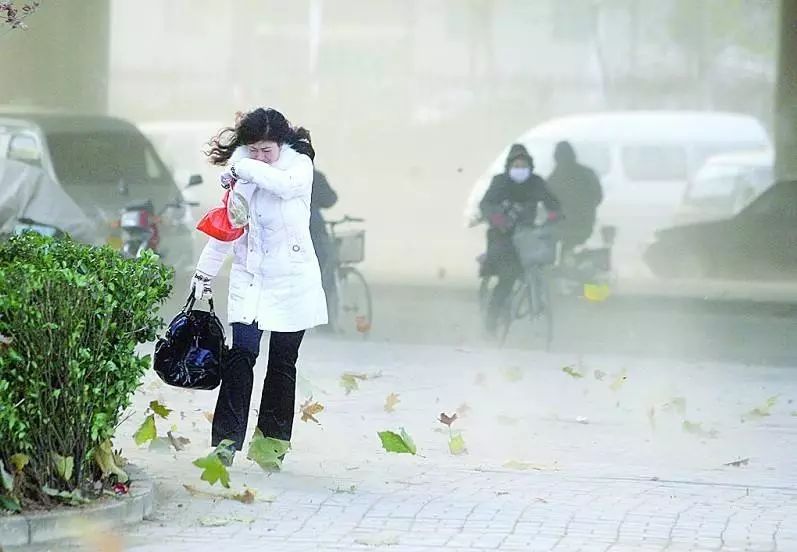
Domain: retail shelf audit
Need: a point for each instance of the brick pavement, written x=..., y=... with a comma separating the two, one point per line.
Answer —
x=595, y=464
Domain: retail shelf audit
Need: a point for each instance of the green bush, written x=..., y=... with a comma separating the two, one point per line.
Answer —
x=71, y=316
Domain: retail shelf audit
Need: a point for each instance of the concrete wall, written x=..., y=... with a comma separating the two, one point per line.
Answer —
x=62, y=60
x=786, y=95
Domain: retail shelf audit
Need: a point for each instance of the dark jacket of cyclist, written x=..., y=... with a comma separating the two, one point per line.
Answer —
x=511, y=199
x=323, y=197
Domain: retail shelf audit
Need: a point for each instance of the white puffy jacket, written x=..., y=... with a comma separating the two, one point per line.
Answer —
x=275, y=278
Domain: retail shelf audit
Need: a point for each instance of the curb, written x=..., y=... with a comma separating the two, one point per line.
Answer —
x=35, y=528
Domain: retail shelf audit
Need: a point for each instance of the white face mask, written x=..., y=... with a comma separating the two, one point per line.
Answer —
x=519, y=174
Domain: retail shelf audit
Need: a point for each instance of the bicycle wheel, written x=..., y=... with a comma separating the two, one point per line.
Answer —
x=540, y=312
x=355, y=312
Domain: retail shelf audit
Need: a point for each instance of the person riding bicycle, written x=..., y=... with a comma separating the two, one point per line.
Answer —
x=323, y=197
x=511, y=199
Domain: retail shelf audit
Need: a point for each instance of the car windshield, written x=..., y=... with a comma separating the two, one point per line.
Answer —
x=713, y=182
x=103, y=157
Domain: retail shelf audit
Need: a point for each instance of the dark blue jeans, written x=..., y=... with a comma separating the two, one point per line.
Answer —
x=277, y=402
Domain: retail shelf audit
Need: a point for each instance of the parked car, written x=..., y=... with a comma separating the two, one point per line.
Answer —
x=759, y=242
x=644, y=159
x=725, y=185
x=104, y=164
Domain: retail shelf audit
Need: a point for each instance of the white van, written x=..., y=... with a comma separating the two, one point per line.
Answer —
x=645, y=160
x=725, y=185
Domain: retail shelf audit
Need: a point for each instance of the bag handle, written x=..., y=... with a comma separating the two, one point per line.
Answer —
x=189, y=304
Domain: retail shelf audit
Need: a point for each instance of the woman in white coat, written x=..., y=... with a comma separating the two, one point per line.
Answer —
x=275, y=282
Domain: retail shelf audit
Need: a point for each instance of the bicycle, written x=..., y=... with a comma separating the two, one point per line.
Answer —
x=531, y=295
x=350, y=301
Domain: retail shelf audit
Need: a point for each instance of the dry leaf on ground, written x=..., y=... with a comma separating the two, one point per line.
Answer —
x=572, y=372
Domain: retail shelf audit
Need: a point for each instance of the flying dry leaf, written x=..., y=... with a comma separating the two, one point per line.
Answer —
x=267, y=452
x=738, y=463
x=349, y=381
x=309, y=409
x=147, y=431
x=619, y=380
x=448, y=420
x=400, y=443
x=572, y=372
x=513, y=373
x=179, y=443
x=160, y=409
x=391, y=401
x=761, y=411
x=245, y=497
x=696, y=428
x=208, y=415
x=213, y=470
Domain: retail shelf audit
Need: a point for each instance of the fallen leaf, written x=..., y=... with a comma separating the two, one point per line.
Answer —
x=446, y=419
x=147, y=431
x=572, y=372
x=108, y=462
x=345, y=490
x=619, y=380
x=524, y=466
x=599, y=375
x=380, y=539
x=697, y=429
x=159, y=409
x=738, y=463
x=19, y=461
x=64, y=466
x=513, y=374
x=219, y=521
x=267, y=451
x=400, y=443
x=213, y=470
x=391, y=401
x=309, y=409
x=247, y=496
x=456, y=444
x=179, y=443
x=761, y=411
x=678, y=404
x=208, y=415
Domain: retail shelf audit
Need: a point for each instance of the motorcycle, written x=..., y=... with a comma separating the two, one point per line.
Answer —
x=141, y=226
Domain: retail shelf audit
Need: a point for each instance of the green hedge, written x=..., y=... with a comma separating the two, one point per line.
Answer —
x=71, y=317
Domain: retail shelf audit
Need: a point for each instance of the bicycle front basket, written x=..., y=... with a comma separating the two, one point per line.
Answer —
x=351, y=246
x=534, y=246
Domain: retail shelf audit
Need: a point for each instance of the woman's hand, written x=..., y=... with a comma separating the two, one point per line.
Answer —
x=200, y=285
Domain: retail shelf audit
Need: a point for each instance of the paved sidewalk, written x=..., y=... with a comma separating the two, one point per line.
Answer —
x=555, y=462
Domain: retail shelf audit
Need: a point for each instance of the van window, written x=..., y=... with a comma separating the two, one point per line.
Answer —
x=655, y=162
x=595, y=155
x=105, y=157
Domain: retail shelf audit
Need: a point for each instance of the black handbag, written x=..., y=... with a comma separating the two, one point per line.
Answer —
x=191, y=353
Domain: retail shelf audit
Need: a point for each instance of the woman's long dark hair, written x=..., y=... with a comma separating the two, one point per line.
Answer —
x=260, y=124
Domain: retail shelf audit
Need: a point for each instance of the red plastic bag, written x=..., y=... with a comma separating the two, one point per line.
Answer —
x=216, y=223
